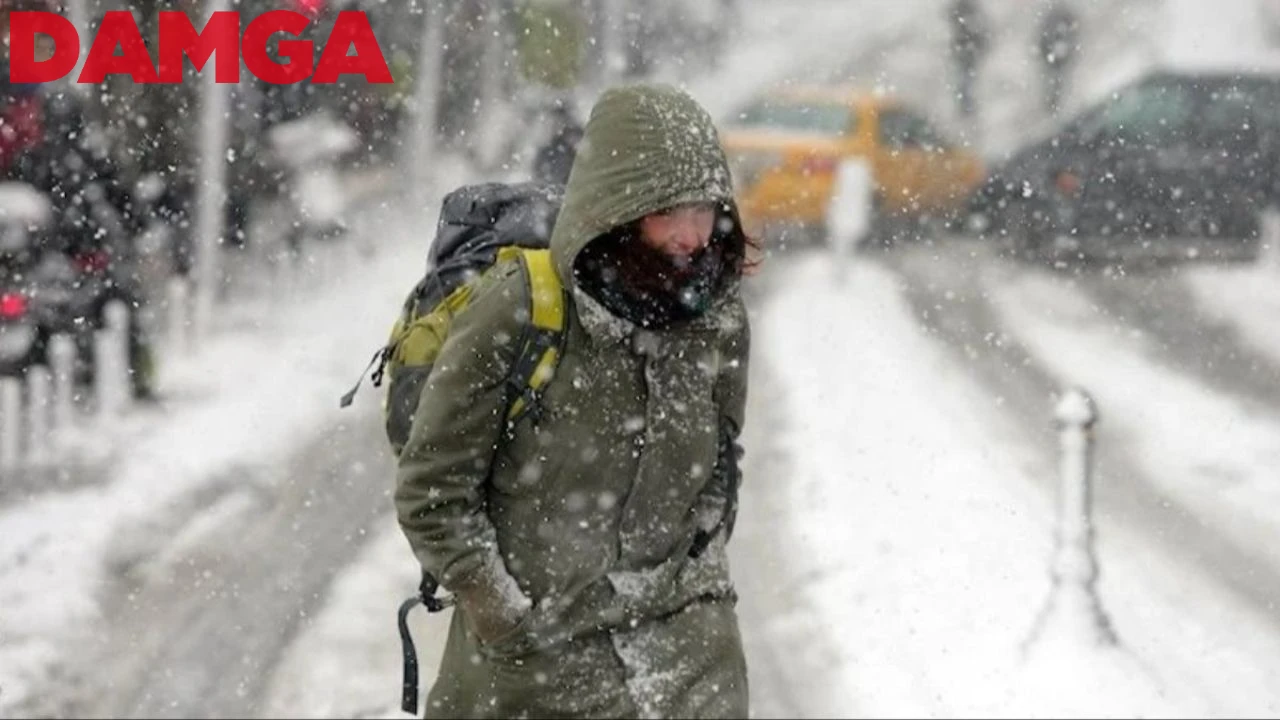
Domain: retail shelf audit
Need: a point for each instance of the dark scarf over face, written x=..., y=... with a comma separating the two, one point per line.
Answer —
x=648, y=287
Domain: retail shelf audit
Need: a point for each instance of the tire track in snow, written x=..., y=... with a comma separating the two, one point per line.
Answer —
x=950, y=286
x=197, y=632
x=1163, y=308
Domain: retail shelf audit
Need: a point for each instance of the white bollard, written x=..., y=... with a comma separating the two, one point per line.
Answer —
x=110, y=375
x=178, y=316
x=62, y=361
x=1073, y=610
x=10, y=422
x=104, y=374
x=38, y=406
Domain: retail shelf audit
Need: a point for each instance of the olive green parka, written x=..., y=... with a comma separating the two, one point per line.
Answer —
x=575, y=530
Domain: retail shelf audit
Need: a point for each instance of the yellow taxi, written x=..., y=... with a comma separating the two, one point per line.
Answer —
x=785, y=149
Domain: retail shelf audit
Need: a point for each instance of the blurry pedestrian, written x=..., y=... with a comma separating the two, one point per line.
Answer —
x=1059, y=43
x=969, y=41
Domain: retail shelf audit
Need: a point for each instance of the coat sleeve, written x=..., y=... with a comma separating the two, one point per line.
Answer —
x=444, y=467
x=717, y=506
x=731, y=382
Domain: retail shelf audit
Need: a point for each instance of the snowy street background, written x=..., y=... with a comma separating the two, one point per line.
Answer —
x=232, y=552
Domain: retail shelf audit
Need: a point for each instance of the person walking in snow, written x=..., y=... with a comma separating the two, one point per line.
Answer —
x=586, y=549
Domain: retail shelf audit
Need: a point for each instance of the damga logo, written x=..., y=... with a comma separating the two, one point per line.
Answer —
x=118, y=48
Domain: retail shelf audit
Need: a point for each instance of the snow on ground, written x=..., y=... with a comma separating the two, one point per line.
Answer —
x=1247, y=298
x=247, y=398
x=1210, y=451
x=921, y=556
x=350, y=657
x=928, y=546
x=1204, y=449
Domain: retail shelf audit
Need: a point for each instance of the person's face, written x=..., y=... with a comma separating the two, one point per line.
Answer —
x=679, y=232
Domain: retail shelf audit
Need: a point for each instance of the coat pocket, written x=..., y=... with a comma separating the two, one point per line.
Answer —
x=520, y=640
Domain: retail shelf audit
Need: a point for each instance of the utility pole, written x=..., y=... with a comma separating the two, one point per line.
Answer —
x=211, y=195
x=426, y=101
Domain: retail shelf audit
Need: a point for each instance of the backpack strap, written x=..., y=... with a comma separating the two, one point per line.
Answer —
x=544, y=335
x=541, y=349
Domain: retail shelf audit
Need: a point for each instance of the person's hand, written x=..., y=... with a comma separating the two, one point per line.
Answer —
x=493, y=617
x=492, y=601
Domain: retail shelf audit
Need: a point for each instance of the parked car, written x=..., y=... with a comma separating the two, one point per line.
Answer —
x=785, y=149
x=1176, y=164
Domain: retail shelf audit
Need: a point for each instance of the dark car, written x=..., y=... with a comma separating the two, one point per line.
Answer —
x=1173, y=165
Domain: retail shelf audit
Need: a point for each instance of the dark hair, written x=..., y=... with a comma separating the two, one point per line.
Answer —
x=743, y=252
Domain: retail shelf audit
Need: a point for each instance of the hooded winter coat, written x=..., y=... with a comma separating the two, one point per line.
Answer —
x=568, y=541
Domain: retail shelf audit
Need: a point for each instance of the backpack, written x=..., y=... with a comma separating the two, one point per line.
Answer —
x=480, y=227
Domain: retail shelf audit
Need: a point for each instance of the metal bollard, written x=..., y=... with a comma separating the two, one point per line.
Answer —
x=10, y=424
x=62, y=360
x=1073, y=607
x=38, y=406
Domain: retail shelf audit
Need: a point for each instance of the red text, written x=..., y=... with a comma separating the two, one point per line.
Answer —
x=118, y=49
